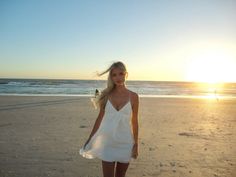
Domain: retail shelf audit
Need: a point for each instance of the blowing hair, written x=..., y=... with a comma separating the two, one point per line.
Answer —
x=102, y=98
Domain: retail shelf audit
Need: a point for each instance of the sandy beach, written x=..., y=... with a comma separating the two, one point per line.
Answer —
x=178, y=137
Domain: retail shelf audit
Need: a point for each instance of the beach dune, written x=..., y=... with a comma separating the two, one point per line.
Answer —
x=41, y=136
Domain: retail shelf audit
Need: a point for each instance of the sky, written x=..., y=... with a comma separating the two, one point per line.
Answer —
x=160, y=40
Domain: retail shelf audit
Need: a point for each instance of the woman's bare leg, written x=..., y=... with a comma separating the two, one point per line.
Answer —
x=108, y=169
x=121, y=169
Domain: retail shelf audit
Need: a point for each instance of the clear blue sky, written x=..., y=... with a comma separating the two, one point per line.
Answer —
x=156, y=39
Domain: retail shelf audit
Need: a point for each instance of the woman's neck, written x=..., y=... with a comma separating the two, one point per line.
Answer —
x=120, y=88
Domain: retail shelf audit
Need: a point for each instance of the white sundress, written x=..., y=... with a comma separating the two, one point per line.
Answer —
x=113, y=141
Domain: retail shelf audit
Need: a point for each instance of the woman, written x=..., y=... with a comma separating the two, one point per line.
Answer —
x=114, y=137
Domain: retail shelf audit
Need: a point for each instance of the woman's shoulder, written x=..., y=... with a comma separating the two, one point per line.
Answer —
x=133, y=95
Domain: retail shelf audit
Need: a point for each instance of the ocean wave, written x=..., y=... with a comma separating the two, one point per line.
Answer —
x=84, y=87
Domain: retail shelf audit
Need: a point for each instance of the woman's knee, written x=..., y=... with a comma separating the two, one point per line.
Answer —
x=121, y=169
x=108, y=168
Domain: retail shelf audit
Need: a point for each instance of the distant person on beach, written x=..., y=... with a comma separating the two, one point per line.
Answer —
x=96, y=93
x=114, y=137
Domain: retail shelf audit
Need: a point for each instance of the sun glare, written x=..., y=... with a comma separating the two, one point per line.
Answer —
x=211, y=67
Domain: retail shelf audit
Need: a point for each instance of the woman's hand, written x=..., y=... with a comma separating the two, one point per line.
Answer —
x=135, y=151
x=86, y=143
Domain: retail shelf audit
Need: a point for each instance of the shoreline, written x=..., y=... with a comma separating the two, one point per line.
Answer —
x=210, y=97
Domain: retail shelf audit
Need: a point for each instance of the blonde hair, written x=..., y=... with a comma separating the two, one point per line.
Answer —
x=103, y=96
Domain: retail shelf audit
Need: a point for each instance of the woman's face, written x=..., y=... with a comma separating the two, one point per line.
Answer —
x=118, y=76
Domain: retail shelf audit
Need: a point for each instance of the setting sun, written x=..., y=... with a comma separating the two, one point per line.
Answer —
x=211, y=67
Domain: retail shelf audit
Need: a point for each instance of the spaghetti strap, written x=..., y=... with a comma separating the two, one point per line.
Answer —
x=129, y=96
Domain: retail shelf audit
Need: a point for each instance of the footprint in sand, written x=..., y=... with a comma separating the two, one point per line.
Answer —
x=83, y=126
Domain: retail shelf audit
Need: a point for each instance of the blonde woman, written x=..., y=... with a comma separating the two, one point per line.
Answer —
x=114, y=137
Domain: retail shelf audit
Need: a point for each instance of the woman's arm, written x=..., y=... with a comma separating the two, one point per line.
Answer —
x=135, y=126
x=96, y=124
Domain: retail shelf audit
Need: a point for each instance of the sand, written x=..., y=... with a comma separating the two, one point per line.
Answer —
x=178, y=137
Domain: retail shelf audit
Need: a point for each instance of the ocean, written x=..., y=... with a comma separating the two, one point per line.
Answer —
x=62, y=87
